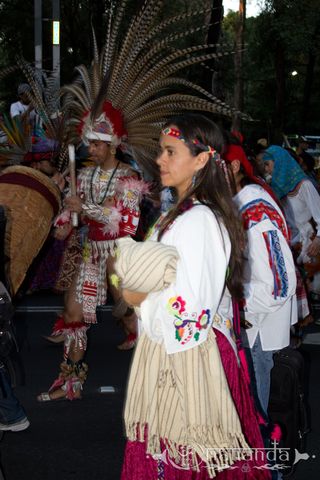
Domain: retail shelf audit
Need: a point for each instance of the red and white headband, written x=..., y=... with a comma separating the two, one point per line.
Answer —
x=176, y=133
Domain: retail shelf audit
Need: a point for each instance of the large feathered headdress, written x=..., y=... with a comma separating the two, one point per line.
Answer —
x=108, y=127
x=136, y=78
x=47, y=134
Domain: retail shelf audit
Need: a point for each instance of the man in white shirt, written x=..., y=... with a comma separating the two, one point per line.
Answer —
x=23, y=108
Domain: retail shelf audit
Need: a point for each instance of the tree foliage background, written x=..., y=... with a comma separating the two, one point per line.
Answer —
x=283, y=38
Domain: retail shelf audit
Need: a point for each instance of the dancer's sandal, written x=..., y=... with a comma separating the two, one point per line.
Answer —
x=69, y=383
x=58, y=394
x=52, y=396
x=44, y=397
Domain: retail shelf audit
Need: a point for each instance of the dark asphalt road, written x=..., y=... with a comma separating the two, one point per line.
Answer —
x=83, y=440
x=78, y=440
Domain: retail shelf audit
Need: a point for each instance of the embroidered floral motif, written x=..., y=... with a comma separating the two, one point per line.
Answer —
x=176, y=305
x=203, y=319
x=188, y=325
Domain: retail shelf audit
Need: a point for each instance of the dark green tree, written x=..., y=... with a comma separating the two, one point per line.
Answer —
x=284, y=38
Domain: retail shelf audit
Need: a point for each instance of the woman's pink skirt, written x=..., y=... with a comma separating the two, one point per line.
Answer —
x=138, y=465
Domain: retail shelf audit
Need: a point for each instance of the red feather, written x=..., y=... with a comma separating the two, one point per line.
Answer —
x=116, y=118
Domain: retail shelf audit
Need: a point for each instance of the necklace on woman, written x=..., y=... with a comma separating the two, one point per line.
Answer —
x=155, y=226
x=108, y=185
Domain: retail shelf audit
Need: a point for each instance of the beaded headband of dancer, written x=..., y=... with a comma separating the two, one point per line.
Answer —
x=175, y=133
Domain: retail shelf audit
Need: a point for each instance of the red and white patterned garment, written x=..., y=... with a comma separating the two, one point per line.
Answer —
x=110, y=211
x=269, y=271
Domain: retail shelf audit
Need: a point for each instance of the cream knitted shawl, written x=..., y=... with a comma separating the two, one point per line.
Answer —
x=145, y=266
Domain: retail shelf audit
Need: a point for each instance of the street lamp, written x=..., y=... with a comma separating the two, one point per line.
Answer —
x=55, y=33
x=56, y=39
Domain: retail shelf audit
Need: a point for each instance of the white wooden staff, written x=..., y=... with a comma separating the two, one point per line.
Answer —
x=73, y=185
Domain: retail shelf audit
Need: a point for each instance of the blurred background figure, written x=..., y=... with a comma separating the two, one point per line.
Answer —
x=23, y=108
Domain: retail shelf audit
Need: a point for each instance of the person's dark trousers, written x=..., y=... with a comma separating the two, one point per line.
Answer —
x=11, y=410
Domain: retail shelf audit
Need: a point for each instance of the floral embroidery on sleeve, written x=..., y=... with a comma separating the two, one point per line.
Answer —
x=187, y=325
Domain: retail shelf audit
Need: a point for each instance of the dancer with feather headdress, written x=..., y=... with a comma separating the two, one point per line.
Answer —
x=127, y=94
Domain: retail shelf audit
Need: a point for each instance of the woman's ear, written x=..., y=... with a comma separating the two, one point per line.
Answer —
x=202, y=160
x=235, y=166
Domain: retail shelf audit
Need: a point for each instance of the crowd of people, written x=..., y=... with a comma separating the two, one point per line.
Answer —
x=254, y=237
x=212, y=264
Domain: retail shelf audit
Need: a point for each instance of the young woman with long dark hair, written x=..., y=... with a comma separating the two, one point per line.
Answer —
x=188, y=406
